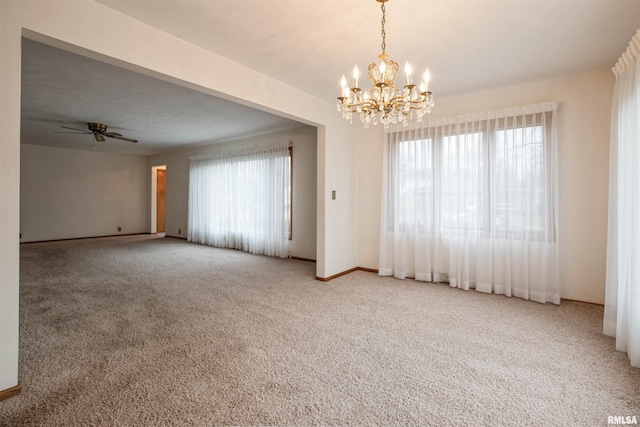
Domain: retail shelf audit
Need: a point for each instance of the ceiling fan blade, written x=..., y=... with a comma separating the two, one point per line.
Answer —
x=73, y=133
x=121, y=138
x=112, y=134
x=99, y=137
x=79, y=130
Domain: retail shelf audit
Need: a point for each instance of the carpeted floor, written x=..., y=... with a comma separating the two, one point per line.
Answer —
x=141, y=330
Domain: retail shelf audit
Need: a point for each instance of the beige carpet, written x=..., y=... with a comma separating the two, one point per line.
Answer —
x=150, y=331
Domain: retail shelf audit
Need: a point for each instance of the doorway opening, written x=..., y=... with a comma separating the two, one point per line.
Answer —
x=158, y=199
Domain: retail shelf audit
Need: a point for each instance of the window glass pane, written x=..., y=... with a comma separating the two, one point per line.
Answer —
x=518, y=176
x=415, y=192
x=461, y=178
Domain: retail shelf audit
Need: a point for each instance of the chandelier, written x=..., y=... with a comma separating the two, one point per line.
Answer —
x=384, y=102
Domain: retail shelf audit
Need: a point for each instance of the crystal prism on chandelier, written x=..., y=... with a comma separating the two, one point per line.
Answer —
x=383, y=102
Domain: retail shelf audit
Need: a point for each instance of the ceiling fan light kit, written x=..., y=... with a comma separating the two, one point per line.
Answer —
x=384, y=102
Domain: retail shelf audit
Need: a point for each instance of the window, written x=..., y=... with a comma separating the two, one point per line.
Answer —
x=242, y=200
x=489, y=180
x=472, y=201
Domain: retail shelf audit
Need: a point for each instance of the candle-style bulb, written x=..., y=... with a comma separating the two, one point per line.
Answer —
x=427, y=77
x=407, y=70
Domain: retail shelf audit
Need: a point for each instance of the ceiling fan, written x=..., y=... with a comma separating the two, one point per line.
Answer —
x=99, y=131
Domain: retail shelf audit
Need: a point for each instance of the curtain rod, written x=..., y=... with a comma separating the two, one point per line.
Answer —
x=244, y=151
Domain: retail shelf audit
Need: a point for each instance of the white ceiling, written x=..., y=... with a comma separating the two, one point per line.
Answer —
x=469, y=46
x=64, y=89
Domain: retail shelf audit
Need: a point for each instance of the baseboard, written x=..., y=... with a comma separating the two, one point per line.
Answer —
x=368, y=270
x=581, y=302
x=83, y=238
x=335, y=276
x=302, y=259
x=10, y=392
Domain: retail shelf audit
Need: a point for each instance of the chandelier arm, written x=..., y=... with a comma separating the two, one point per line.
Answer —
x=363, y=105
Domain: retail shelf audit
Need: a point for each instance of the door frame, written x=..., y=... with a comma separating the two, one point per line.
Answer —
x=154, y=199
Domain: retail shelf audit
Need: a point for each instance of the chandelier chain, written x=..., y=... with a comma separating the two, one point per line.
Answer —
x=384, y=35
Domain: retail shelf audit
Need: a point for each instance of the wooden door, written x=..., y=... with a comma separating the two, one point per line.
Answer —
x=161, y=199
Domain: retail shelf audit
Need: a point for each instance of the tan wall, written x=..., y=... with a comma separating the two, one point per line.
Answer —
x=67, y=194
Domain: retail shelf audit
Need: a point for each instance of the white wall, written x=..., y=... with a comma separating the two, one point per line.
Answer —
x=9, y=195
x=303, y=244
x=67, y=194
x=583, y=131
x=304, y=193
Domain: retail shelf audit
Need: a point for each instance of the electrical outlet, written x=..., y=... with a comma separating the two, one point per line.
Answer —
x=119, y=228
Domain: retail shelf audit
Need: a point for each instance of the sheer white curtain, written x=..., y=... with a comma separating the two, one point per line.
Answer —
x=622, y=298
x=472, y=201
x=241, y=200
